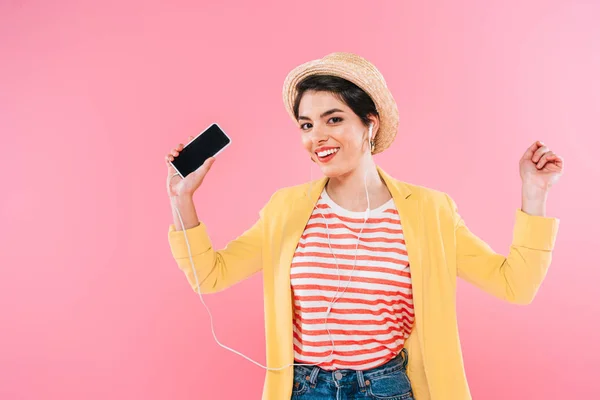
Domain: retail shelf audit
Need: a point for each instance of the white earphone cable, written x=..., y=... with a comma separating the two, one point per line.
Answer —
x=335, y=298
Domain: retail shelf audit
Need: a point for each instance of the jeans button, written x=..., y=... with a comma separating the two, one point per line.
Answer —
x=338, y=375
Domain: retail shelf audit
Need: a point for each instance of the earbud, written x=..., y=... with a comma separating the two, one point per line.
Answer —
x=370, y=131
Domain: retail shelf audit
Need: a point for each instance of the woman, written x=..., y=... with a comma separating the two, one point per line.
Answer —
x=359, y=268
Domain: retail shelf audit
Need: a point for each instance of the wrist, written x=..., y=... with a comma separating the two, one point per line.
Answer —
x=182, y=199
x=533, y=200
x=534, y=193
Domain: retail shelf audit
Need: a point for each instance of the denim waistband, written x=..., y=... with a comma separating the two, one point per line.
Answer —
x=345, y=375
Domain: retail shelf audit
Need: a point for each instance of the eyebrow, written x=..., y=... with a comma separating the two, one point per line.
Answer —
x=326, y=113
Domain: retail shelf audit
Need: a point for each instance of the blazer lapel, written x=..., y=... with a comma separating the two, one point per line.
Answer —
x=409, y=205
x=300, y=212
x=293, y=227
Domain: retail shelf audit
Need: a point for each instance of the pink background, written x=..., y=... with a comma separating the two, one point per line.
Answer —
x=92, y=306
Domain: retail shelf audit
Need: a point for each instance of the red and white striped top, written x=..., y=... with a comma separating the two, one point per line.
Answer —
x=371, y=320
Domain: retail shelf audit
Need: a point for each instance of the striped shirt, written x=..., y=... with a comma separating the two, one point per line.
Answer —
x=371, y=320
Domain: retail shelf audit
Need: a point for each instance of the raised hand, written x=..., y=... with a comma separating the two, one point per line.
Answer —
x=186, y=187
x=540, y=168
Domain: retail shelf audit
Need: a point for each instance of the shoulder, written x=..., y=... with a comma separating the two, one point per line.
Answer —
x=424, y=193
x=434, y=205
x=427, y=194
x=287, y=195
x=432, y=202
x=295, y=191
x=430, y=198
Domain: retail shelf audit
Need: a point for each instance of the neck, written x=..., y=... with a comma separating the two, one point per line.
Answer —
x=351, y=186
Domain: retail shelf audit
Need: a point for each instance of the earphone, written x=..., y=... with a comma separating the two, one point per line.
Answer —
x=371, y=143
x=335, y=298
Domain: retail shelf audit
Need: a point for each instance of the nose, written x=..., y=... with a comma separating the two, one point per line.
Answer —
x=318, y=135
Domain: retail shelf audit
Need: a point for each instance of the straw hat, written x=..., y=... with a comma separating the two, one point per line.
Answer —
x=358, y=71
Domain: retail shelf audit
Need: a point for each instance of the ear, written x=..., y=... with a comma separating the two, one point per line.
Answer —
x=375, y=121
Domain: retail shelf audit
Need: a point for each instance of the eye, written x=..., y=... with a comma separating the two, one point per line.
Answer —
x=332, y=118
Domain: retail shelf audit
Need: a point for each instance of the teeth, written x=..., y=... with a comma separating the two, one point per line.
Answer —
x=327, y=152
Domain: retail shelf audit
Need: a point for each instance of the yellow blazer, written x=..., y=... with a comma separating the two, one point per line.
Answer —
x=440, y=248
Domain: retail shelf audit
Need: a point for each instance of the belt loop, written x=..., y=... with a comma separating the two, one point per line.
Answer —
x=313, y=375
x=361, y=379
x=404, y=357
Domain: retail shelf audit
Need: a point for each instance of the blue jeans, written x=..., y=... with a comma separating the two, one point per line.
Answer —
x=386, y=382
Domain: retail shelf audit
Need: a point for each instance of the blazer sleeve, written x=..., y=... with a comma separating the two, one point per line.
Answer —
x=516, y=277
x=215, y=269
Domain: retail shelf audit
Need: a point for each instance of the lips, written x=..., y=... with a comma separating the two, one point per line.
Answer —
x=326, y=154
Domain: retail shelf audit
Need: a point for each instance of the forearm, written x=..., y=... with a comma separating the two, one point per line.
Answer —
x=186, y=208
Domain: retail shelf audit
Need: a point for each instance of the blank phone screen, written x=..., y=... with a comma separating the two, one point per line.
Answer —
x=206, y=145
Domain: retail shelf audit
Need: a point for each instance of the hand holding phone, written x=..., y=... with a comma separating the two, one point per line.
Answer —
x=181, y=187
x=193, y=161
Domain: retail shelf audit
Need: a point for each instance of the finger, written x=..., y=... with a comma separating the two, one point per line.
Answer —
x=180, y=147
x=174, y=152
x=556, y=162
x=539, y=153
x=531, y=150
x=544, y=159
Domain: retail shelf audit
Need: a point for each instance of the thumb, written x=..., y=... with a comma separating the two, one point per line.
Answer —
x=170, y=169
x=205, y=167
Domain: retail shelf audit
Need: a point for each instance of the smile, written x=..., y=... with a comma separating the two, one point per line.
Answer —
x=326, y=155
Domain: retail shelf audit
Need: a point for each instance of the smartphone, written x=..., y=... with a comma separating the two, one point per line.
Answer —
x=209, y=143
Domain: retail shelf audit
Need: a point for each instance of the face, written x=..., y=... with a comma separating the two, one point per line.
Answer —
x=333, y=135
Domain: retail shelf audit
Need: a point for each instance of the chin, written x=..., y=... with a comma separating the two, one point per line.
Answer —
x=333, y=171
